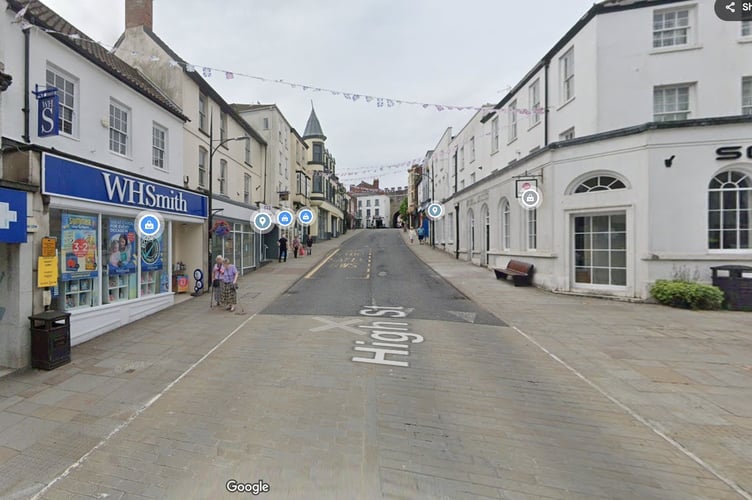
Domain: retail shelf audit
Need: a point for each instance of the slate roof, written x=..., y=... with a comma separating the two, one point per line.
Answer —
x=40, y=15
x=313, y=127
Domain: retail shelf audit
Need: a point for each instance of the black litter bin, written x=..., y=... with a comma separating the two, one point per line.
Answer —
x=50, y=339
x=736, y=283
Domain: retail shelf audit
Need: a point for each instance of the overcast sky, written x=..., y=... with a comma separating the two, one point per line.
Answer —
x=458, y=53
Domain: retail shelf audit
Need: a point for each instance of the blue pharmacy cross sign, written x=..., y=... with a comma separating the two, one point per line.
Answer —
x=305, y=216
x=12, y=216
x=285, y=218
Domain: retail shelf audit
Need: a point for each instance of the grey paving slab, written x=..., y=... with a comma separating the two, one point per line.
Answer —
x=26, y=432
x=83, y=382
x=51, y=396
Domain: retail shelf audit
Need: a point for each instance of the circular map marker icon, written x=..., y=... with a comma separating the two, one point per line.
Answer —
x=435, y=211
x=149, y=225
x=530, y=199
x=306, y=216
x=285, y=218
x=262, y=222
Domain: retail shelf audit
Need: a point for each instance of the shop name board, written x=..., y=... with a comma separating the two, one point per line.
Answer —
x=733, y=152
x=71, y=179
x=133, y=192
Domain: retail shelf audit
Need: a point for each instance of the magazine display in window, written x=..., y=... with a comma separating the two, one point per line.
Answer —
x=79, y=263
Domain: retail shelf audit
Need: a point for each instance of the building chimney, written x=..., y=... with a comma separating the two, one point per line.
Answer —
x=138, y=13
x=376, y=183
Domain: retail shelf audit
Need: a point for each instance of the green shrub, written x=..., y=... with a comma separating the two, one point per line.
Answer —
x=687, y=295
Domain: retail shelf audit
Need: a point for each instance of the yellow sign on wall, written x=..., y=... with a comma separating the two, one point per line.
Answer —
x=47, y=272
x=49, y=246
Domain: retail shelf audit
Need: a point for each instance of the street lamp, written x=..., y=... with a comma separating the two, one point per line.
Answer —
x=213, y=150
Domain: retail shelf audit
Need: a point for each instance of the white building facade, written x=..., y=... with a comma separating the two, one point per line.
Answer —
x=272, y=125
x=374, y=210
x=287, y=179
x=119, y=151
x=635, y=128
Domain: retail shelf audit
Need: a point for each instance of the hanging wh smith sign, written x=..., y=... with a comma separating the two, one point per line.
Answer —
x=70, y=179
x=48, y=112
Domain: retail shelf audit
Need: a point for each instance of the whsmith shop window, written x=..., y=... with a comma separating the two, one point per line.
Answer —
x=103, y=261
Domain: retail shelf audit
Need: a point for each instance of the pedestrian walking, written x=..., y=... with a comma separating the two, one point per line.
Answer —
x=282, y=248
x=309, y=244
x=295, y=246
x=411, y=233
x=217, y=273
x=229, y=285
x=420, y=235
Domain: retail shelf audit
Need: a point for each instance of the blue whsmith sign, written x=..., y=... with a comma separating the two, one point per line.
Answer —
x=68, y=178
x=48, y=115
x=12, y=216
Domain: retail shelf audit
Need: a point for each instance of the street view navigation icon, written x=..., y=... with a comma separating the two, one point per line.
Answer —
x=262, y=222
x=306, y=216
x=530, y=199
x=435, y=211
x=285, y=218
x=149, y=225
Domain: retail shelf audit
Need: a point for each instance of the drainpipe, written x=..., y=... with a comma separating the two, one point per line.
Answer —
x=266, y=165
x=457, y=231
x=455, y=172
x=545, y=107
x=27, y=88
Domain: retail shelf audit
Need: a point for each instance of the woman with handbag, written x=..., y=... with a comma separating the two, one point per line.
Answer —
x=217, y=273
x=229, y=285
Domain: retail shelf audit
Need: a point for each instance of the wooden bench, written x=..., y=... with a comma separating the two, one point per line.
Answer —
x=521, y=272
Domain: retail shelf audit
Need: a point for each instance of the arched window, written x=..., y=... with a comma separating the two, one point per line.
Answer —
x=730, y=211
x=506, y=223
x=600, y=183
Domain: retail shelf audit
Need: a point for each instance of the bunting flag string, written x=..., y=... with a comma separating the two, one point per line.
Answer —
x=208, y=72
x=365, y=172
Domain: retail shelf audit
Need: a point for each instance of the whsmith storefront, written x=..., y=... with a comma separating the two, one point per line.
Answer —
x=108, y=276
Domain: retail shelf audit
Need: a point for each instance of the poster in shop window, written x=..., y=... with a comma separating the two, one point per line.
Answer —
x=78, y=247
x=121, y=244
x=151, y=254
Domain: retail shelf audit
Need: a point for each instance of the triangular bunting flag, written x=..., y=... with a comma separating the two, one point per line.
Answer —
x=21, y=13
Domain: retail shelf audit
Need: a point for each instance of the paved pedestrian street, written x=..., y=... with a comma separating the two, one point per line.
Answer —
x=380, y=370
x=280, y=404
